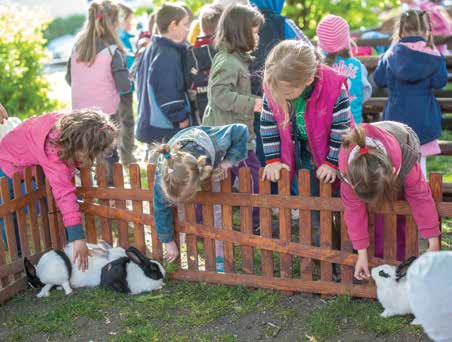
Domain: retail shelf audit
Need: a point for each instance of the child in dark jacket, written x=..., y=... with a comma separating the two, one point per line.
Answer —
x=411, y=69
x=199, y=58
x=163, y=105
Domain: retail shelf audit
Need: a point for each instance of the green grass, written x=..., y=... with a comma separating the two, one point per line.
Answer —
x=181, y=308
x=344, y=313
x=442, y=164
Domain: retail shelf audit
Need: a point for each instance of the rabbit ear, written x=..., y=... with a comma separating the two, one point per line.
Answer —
x=29, y=268
x=135, y=255
x=402, y=269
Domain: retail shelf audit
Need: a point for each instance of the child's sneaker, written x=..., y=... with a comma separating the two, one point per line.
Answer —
x=220, y=264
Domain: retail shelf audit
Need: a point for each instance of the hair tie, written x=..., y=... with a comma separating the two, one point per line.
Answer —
x=363, y=150
x=99, y=16
x=167, y=155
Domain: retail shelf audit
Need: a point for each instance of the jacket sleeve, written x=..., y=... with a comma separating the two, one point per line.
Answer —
x=356, y=217
x=271, y=139
x=120, y=72
x=162, y=213
x=221, y=83
x=380, y=76
x=367, y=87
x=238, y=150
x=166, y=78
x=439, y=79
x=63, y=189
x=423, y=208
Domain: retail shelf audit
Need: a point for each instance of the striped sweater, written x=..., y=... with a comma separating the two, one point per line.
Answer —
x=339, y=127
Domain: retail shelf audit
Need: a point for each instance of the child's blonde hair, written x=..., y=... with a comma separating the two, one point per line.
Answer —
x=125, y=12
x=235, y=29
x=370, y=173
x=102, y=23
x=181, y=173
x=84, y=132
x=414, y=22
x=291, y=61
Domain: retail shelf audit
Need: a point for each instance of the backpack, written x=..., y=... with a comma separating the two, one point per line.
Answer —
x=271, y=33
x=198, y=62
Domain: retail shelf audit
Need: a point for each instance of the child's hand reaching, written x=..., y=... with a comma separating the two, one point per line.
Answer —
x=184, y=124
x=362, y=265
x=172, y=252
x=81, y=252
x=3, y=114
x=326, y=173
x=225, y=165
x=433, y=244
x=273, y=170
x=258, y=106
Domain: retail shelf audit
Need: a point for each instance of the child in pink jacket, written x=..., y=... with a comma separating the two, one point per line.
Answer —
x=377, y=163
x=59, y=143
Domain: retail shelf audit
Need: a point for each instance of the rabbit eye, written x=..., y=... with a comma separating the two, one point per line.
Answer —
x=384, y=274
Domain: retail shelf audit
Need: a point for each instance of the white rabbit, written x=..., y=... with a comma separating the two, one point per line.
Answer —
x=127, y=271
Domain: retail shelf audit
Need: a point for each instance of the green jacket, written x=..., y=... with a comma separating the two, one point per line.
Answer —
x=229, y=93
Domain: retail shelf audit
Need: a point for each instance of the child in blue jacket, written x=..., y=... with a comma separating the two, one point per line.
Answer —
x=411, y=69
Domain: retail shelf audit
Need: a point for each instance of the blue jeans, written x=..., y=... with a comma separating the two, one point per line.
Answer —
x=2, y=221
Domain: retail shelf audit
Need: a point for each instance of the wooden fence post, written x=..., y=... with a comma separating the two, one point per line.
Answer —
x=101, y=176
x=266, y=227
x=436, y=186
x=157, y=250
x=90, y=221
x=123, y=226
x=246, y=222
x=135, y=183
x=43, y=208
x=285, y=225
x=33, y=217
x=20, y=216
x=207, y=219
x=304, y=189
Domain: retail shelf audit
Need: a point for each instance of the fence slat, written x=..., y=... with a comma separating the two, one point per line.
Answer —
x=43, y=208
x=226, y=187
x=326, y=233
x=101, y=176
x=32, y=214
x=135, y=183
x=285, y=225
x=123, y=226
x=412, y=239
x=192, y=240
x=8, y=221
x=90, y=221
x=390, y=236
x=20, y=214
x=207, y=219
x=346, y=246
x=246, y=225
x=266, y=227
x=304, y=188
x=157, y=250
x=53, y=218
x=436, y=186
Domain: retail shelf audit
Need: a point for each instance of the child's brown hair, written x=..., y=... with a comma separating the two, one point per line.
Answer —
x=85, y=132
x=167, y=14
x=291, y=61
x=181, y=173
x=235, y=29
x=125, y=12
x=209, y=17
x=370, y=173
x=102, y=23
x=414, y=22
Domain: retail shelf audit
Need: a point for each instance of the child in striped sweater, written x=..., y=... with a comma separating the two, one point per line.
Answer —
x=306, y=112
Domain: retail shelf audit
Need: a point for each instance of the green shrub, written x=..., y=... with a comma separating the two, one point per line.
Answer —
x=23, y=88
x=62, y=26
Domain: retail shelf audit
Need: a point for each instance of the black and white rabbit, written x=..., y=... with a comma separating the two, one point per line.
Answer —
x=127, y=271
x=392, y=288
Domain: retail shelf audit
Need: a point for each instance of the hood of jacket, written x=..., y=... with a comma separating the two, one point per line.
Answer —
x=412, y=65
x=275, y=5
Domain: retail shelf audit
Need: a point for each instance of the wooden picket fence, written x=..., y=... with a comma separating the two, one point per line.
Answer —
x=123, y=215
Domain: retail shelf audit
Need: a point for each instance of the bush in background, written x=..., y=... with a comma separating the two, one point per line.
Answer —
x=23, y=87
x=64, y=25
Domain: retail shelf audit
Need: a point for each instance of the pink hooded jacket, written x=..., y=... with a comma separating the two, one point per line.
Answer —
x=416, y=192
x=25, y=146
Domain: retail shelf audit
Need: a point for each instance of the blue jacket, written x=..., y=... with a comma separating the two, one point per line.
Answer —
x=162, y=99
x=410, y=76
x=221, y=143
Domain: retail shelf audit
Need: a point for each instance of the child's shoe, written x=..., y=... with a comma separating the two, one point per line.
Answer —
x=220, y=264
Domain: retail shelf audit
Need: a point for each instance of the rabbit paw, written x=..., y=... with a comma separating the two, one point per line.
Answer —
x=386, y=313
x=43, y=293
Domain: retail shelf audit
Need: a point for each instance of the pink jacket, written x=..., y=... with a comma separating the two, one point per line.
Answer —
x=416, y=192
x=93, y=85
x=318, y=117
x=25, y=146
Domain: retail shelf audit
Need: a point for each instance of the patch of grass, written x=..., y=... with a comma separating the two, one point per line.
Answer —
x=345, y=313
x=442, y=164
x=157, y=316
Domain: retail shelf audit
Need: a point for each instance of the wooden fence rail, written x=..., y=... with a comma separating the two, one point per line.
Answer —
x=284, y=256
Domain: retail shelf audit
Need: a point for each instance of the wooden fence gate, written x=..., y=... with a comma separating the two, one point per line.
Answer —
x=289, y=261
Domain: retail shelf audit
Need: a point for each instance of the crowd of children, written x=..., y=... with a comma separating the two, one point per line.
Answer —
x=252, y=90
